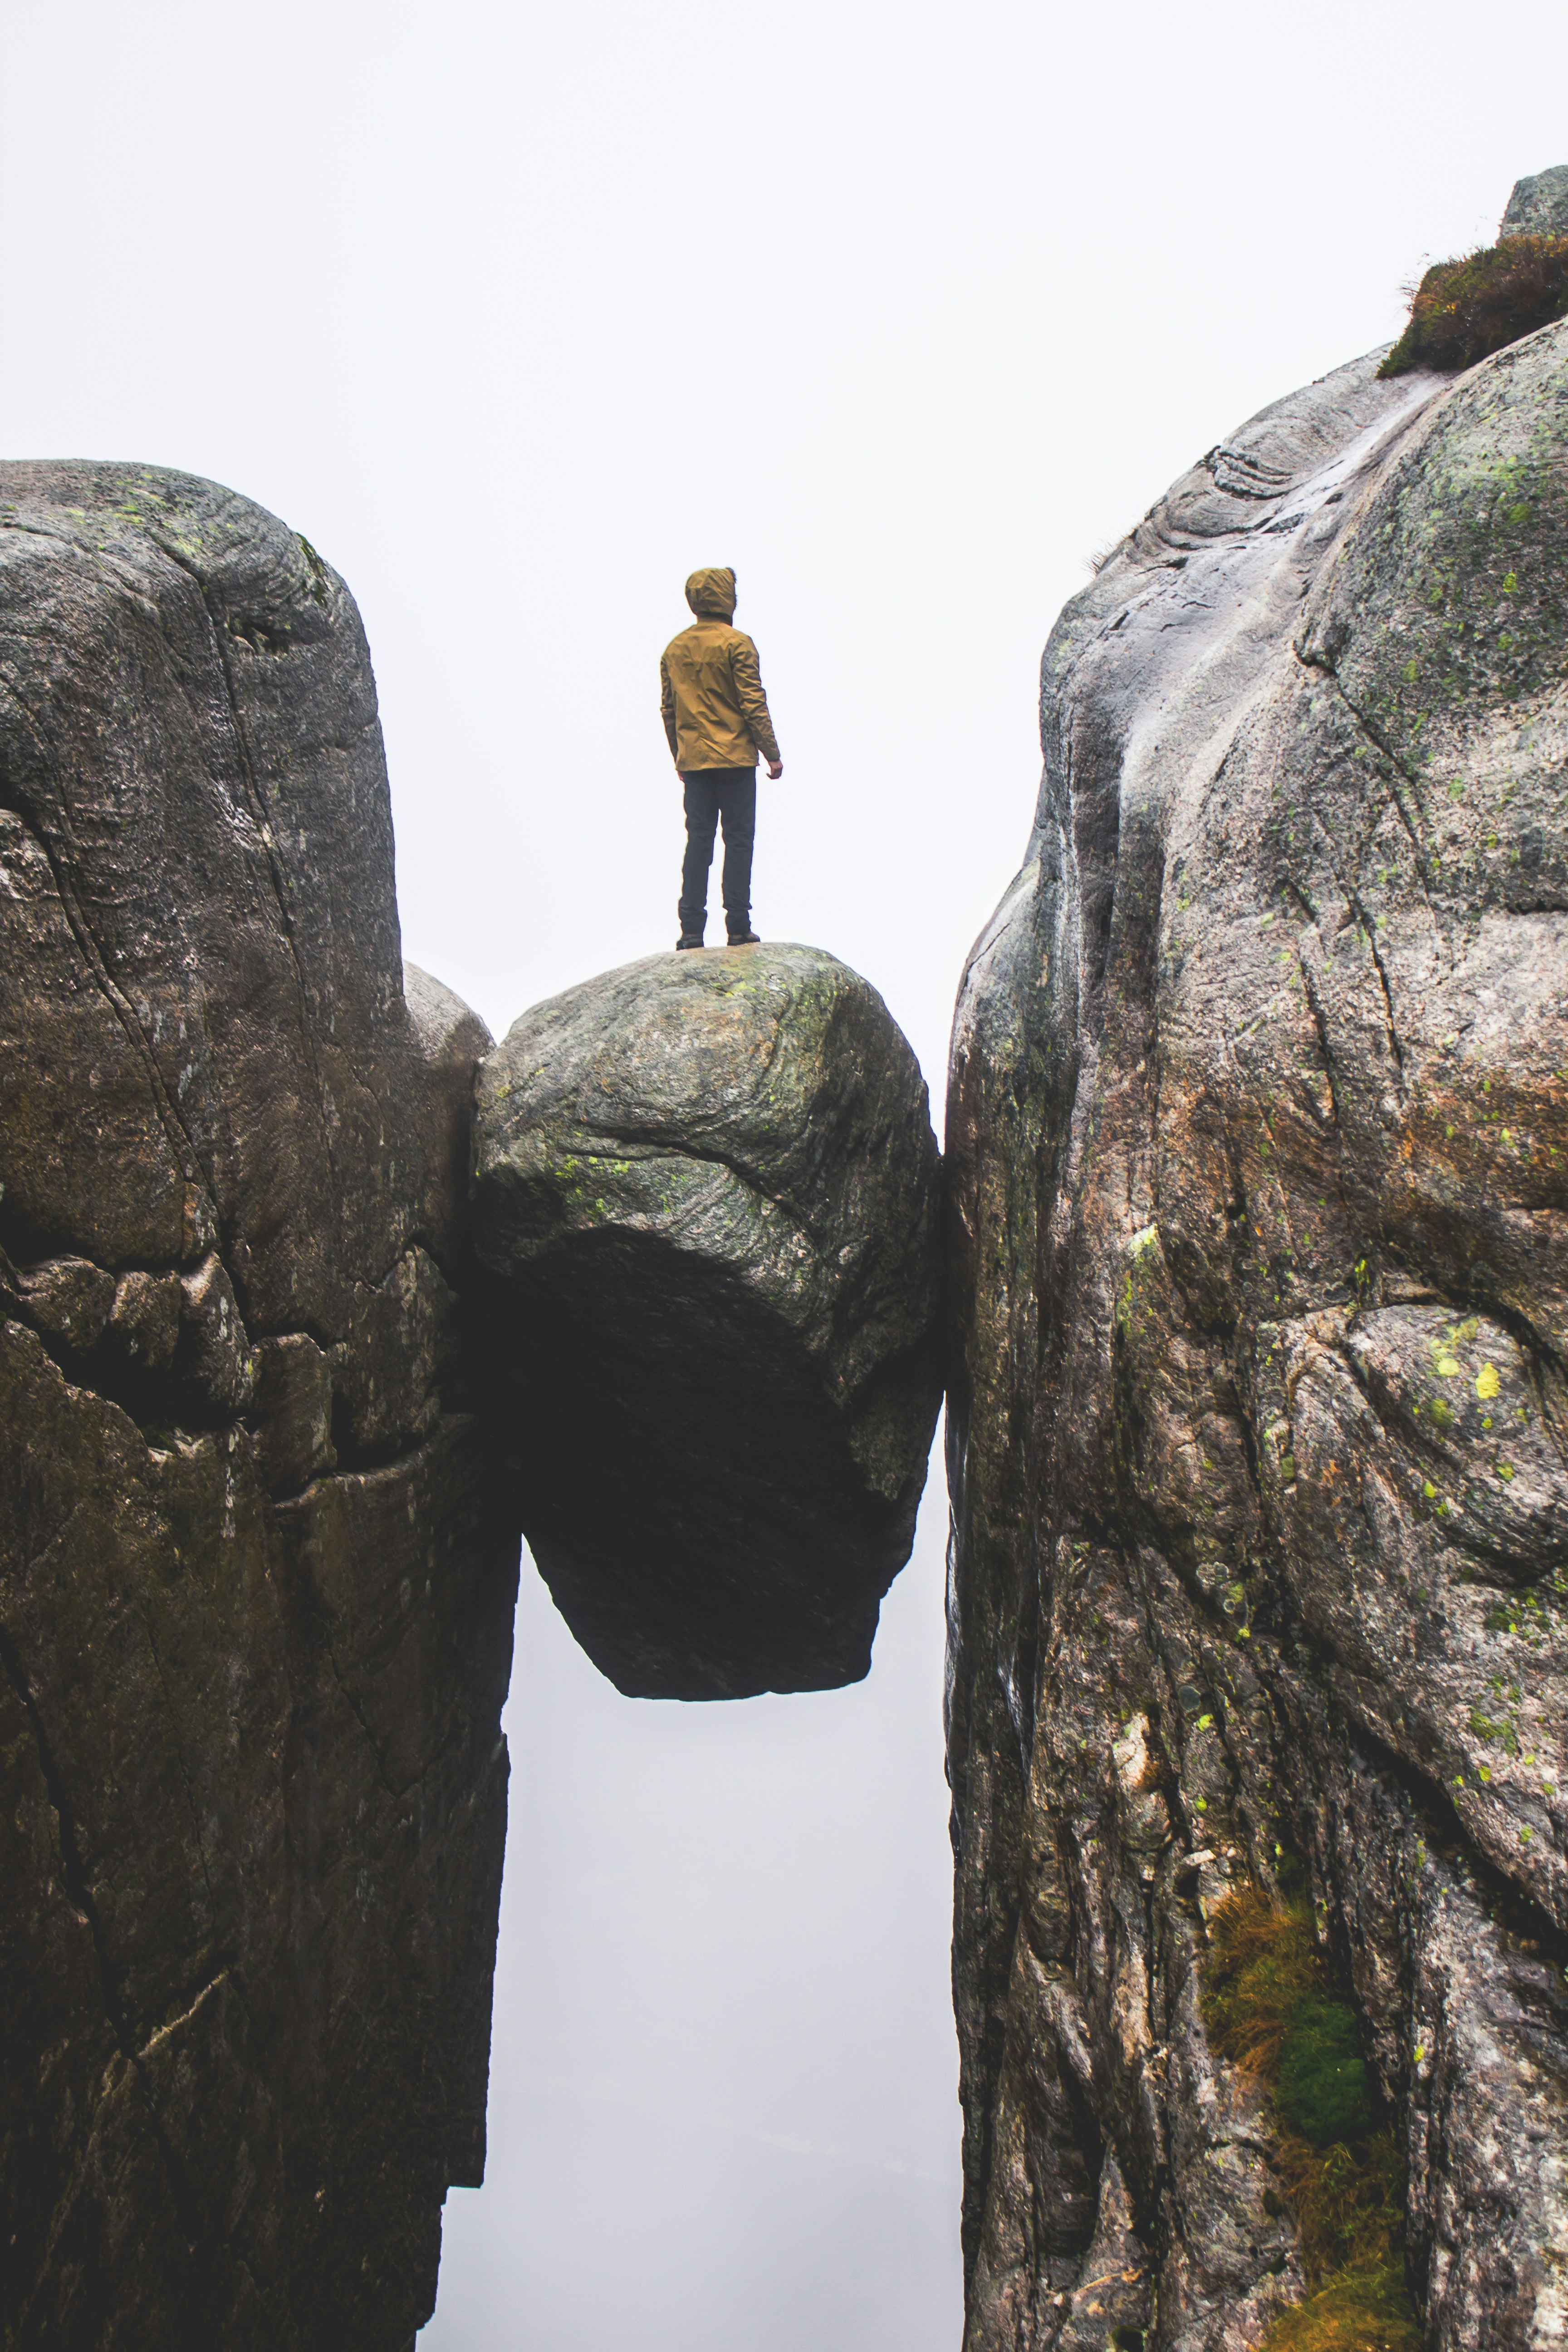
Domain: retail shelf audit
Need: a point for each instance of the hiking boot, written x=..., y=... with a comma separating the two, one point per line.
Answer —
x=746, y=939
x=689, y=940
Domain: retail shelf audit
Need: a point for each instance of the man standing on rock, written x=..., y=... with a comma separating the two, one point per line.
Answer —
x=716, y=717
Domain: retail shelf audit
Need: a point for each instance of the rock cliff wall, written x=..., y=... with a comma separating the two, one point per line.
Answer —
x=1256, y=1135
x=255, y=1589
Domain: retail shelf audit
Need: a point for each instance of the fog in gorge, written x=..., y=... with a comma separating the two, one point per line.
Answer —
x=723, y=2077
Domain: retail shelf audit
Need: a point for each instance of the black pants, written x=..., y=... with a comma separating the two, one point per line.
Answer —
x=712, y=794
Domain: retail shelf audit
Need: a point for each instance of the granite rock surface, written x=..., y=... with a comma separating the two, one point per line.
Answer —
x=708, y=1184
x=1539, y=205
x=1257, y=1131
x=256, y=1582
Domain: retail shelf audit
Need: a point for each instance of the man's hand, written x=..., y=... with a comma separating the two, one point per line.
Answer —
x=775, y=770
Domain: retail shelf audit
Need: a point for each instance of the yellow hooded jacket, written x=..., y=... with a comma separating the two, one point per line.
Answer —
x=711, y=700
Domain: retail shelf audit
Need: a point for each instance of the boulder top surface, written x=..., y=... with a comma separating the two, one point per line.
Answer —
x=759, y=1105
x=676, y=1046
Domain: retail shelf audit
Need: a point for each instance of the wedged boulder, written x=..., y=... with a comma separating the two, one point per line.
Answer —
x=1257, y=1132
x=711, y=1184
x=255, y=1584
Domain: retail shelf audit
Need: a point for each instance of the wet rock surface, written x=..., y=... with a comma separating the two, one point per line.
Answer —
x=1257, y=1131
x=710, y=1185
x=255, y=1584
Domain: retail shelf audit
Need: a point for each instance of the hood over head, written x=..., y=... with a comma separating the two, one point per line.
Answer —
x=712, y=594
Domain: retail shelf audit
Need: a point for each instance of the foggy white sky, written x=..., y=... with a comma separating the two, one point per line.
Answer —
x=520, y=313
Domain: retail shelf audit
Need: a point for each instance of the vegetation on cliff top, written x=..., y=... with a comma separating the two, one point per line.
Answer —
x=1272, y=2008
x=1465, y=308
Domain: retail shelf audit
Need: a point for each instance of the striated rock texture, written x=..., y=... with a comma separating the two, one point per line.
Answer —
x=255, y=1587
x=711, y=1183
x=1258, y=1141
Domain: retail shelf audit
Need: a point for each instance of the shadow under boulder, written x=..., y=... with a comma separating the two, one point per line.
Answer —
x=711, y=1185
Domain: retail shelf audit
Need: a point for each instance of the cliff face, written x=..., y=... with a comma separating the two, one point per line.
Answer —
x=1256, y=1134
x=255, y=1591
